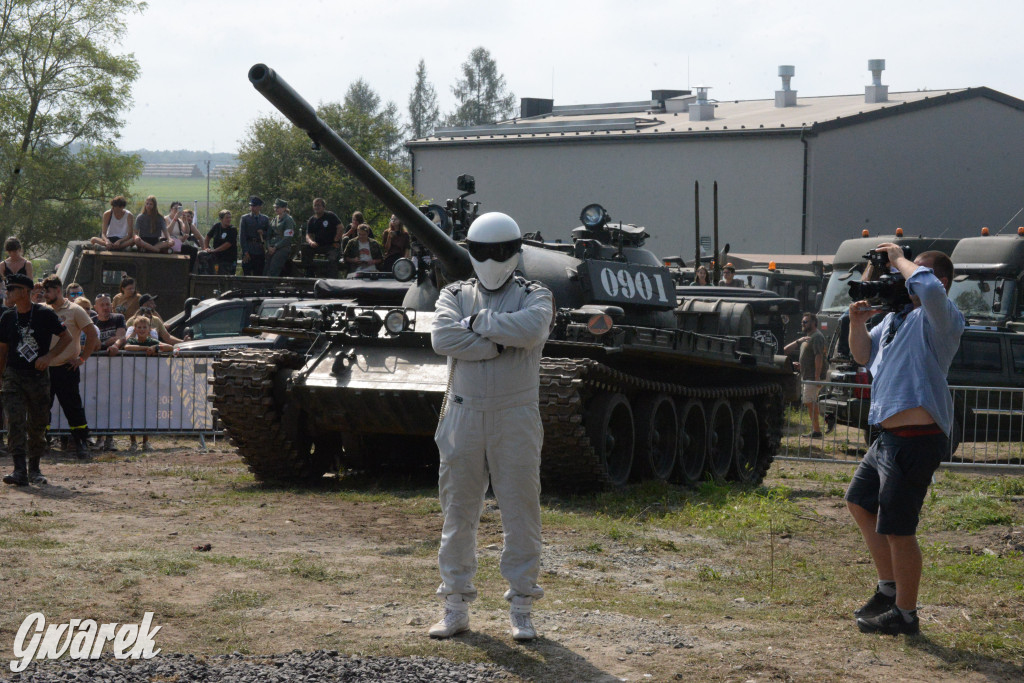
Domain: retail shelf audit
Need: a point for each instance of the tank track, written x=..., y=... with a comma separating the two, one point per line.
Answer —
x=243, y=400
x=568, y=461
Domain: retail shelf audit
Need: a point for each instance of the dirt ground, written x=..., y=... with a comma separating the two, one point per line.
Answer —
x=339, y=568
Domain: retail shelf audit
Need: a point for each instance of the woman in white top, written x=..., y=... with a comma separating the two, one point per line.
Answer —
x=183, y=233
x=118, y=231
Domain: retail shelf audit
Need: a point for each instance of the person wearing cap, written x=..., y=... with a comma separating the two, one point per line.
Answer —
x=280, y=240
x=147, y=309
x=323, y=236
x=729, y=277
x=65, y=376
x=252, y=232
x=27, y=350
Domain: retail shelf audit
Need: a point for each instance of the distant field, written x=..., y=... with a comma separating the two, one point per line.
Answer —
x=185, y=190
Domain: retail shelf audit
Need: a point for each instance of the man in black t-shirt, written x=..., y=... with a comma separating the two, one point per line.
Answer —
x=221, y=247
x=112, y=326
x=26, y=332
x=323, y=236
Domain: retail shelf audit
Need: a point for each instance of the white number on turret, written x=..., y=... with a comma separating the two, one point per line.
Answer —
x=629, y=283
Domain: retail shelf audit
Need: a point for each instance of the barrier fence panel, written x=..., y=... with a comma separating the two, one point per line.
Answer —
x=135, y=393
x=987, y=431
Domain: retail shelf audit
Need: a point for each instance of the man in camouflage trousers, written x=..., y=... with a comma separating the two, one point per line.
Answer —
x=26, y=331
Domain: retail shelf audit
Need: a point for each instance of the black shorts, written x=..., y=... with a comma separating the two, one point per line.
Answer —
x=151, y=240
x=893, y=479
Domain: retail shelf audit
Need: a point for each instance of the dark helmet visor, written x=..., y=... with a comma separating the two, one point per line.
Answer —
x=499, y=251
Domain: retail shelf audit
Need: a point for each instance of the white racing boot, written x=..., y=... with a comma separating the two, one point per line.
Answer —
x=455, y=619
x=519, y=616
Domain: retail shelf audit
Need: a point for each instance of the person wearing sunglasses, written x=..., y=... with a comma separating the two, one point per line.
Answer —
x=492, y=328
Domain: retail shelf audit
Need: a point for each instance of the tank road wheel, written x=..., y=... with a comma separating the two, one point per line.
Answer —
x=747, y=451
x=721, y=438
x=693, y=443
x=259, y=419
x=656, y=436
x=610, y=428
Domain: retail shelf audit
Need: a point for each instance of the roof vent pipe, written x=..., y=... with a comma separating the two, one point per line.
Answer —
x=702, y=109
x=876, y=92
x=786, y=97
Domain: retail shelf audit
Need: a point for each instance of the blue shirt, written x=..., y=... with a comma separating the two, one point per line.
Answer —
x=910, y=371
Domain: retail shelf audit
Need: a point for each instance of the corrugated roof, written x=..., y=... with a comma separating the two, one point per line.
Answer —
x=739, y=117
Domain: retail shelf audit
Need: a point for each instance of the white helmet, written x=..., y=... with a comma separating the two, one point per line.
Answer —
x=494, y=243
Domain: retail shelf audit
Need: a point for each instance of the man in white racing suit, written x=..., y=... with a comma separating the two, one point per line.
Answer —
x=493, y=329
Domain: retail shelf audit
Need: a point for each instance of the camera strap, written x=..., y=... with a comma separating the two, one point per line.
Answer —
x=894, y=326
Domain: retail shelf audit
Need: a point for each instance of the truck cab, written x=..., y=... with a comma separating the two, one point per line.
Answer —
x=987, y=283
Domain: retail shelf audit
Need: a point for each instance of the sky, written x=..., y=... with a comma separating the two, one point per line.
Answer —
x=194, y=54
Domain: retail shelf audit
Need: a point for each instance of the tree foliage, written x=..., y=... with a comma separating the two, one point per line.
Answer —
x=62, y=92
x=423, y=110
x=481, y=93
x=277, y=160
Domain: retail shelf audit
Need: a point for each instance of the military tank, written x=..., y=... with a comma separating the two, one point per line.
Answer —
x=626, y=392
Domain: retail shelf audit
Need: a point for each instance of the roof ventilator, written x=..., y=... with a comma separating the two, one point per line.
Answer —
x=785, y=97
x=702, y=109
x=876, y=92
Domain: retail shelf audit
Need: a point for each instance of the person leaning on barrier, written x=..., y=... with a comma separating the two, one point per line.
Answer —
x=65, y=376
x=282, y=235
x=111, y=326
x=143, y=341
x=27, y=331
x=493, y=329
x=811, y=365
x=908, y=355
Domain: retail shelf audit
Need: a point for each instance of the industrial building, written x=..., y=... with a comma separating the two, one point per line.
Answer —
x=796, y=175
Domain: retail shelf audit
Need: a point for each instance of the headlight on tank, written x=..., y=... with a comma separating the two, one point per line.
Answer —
x=593, y=216
x=396, y=321
x=404, y=270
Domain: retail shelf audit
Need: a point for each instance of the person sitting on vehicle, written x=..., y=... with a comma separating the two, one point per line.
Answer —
x=142, y=340
x=396, y=244
x=363, y=253
x=184, y=238
x=729, y=277
x=117, y=231
x=126, y=302
x=701, y=277
x=147, y=307
x=15, y=262
x=282, y=234
x=151, y=230
x=220, y=248
x=353, y=229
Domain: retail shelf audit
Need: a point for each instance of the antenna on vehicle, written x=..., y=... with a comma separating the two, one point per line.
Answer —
x=1011, y=219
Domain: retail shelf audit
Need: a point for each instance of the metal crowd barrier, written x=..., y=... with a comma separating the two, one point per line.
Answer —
x=132, y=393
x=988, y=429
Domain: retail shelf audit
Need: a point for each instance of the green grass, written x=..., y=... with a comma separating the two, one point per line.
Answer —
x=185, y=190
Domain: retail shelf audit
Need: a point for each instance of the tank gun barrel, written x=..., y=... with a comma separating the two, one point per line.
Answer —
x=454, y=258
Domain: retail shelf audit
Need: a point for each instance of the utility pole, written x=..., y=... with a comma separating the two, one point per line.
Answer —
x=207, y=191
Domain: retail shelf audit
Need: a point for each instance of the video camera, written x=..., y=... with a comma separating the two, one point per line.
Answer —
x=889, y=290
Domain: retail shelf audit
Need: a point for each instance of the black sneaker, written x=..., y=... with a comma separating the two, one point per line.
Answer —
x=37, y=478
x=16, y=479
x=880, y=603
x=811, y=435
x=890, y=623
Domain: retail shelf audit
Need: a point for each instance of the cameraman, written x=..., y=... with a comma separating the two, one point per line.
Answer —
x=908, y=355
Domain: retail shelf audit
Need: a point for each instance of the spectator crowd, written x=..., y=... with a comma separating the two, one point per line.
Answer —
x=264, y=245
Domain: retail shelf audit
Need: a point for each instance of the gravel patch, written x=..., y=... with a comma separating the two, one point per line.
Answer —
x=321, y=665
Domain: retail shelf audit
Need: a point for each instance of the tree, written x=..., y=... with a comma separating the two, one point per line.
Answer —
x=62, y=92
x=423, y=111
x=276, y=159
x=481, y=92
